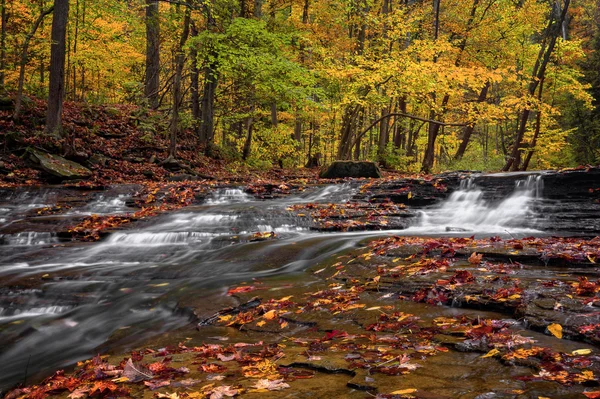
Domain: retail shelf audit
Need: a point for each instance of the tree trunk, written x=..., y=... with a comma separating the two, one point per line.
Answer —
x=208, y=101
x=383, y=134
x=3, y=21
x=24, y=59
x=151, y=81
x=57, y=68
x=179, y=63
x=258, y=9
x=248, y=143
x=469, y=129
x=538, y=122
x=539, y=72
x=195, y=83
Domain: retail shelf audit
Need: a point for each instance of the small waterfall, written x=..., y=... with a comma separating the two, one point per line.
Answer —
x=28, y=238
x=467, y=210
x=104, y=205
x=228, y=196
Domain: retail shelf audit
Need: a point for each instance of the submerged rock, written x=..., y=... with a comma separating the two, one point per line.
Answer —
x=342, y=169
x=59, y=166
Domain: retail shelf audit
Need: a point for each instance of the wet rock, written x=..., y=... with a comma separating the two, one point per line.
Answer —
x=58, y=166
x=343, y=169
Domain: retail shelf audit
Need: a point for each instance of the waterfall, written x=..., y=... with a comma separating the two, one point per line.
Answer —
x=467, y=210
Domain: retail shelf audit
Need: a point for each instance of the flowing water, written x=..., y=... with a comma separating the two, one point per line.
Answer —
x=131, y=282
x=468, y=211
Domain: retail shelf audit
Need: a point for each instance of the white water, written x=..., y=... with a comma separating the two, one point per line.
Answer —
x=228, y=196
x=467, y=210
x=28, y=238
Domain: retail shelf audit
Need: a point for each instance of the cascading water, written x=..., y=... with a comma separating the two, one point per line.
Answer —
x=466, y=210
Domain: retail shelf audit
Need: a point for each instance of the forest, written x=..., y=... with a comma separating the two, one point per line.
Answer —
x=417, y=86
x=261, y=199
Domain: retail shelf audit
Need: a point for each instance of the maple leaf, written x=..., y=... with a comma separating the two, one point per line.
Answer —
x=592, y=395
x=271, y=385
x=102, y=386
x=136, y=373
x=475, y=258
x=222, y=391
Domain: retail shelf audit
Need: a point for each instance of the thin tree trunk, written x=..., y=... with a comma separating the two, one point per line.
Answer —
x=195, y=84
x=151, y=81
x=57, y=68
x=25, y=58
x=3, y=22
x=248, y=143
x=179, y=63
x=539, y=72
x=538, y=122
x=471, y=128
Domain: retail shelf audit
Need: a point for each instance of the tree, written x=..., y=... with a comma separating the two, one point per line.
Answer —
x=152, y=75
x=24, y=59
x=57, y=68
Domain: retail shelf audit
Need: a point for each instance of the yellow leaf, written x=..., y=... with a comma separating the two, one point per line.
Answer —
x=261, y=323
x=491, y=353
x=556, y=330
x=374, y=308
x=284, y=324
x=225, y=318
x=270, y=315
x=404, y=391
x=581, y=352
x=409, y=195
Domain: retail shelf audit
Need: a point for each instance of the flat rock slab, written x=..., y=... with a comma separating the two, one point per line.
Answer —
x=343, y=169
x=59, y=166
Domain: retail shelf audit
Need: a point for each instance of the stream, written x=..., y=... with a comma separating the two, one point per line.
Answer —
x=60, y=301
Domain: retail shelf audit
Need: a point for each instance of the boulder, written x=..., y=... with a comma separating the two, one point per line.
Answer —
x=59, y=166
x=342, y=169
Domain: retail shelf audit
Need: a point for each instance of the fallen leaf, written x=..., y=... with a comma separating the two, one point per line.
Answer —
x=581, y=352
x=274, y=385
x=475, y=258
x=491, y=353
x=404, y=391
x=592, y=395
x=221, y=392
x=556, y=330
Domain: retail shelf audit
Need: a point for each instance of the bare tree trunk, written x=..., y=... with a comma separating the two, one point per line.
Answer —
x=3, y=22
x=211, y=80
x=471, y=128
x=248, y=143
x=179, y=63
x=25, y=58
x=384, y=136
x=539, y=72
x=152, y=82
x=195, y=83
x=538, y=122
x=57, y=68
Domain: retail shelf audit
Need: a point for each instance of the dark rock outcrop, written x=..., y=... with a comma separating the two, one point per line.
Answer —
x=343, y=169
x=59, y=166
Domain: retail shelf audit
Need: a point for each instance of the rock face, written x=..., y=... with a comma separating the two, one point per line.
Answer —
x=59, y=166
x=342, y=169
